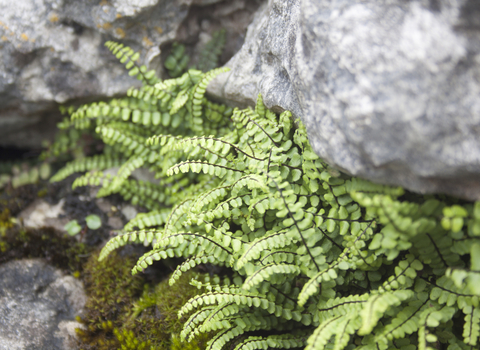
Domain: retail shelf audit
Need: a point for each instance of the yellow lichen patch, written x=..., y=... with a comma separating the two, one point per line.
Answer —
x=4, y=38
x=120, y=33
x=147, y=41
x=24, y=37
x=118, y=15
x=32, y=40
x=107, y=26
x=159, y=30
x=103, y=3
x=53, y=18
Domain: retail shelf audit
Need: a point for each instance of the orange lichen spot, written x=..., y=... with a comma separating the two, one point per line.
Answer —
x=4, y=38
x=147, y=41
x=159, y=30
x=24, y=37
x=52, y=49
x=118, y=15
x=53, y=18
x=107, y=26
x=120, y=33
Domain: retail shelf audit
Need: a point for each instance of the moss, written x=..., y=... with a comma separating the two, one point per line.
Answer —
x=157, y=309
x=111, y=290
x=18, y=243
x=125, y=312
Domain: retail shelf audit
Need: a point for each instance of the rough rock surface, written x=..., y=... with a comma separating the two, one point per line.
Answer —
x=38, y=305
x=389, y=91
x=41, y=213
x=52, y=51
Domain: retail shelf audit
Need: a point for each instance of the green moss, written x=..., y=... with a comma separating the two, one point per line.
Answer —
x=124, y=312
x=111, y=290
x=18, y=243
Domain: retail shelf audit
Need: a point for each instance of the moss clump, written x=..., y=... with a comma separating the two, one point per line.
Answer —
x=111, y=290
x=157, y=311
x=125, y=312
x=18, y=243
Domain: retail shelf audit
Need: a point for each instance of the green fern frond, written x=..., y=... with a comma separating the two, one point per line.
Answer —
x=98, y=162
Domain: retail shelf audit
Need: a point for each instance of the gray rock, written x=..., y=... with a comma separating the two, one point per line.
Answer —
x=52, y=52
x=38, y=305
x=41, y=213
x=389, y=91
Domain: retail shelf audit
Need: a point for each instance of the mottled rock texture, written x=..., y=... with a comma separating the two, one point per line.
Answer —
x=52, y=51
x=389, y=90
x=38, y=305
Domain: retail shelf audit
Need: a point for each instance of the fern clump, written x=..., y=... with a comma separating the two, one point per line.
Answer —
x=317, y=259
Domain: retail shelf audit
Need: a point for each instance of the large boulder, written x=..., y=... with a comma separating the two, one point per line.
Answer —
x=389, y=91
x=52, y=51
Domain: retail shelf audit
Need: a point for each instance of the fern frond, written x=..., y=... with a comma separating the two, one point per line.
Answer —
x=150, y=219
x=210, y=54
x=220, y=170
x=267, y=273
x=471, y=329
x=177, y=61
x=378, y=304
x=129, y=57
x=199, y=91
x=92, y=178
x=141, y=236
x=98, y=162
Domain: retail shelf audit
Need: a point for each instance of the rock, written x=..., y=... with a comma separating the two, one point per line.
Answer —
x=41, y=213
x=38, y=305
x=52, y=52
x=389, y=91
x=129, y=211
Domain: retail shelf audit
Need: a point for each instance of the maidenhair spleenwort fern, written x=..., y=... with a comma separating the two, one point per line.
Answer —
x=318, y=260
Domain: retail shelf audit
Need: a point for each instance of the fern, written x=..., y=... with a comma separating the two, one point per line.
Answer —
x=318, y=259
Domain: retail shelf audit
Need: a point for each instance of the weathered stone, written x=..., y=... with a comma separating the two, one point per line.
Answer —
x=38, y=305
x=41, y=213
x=388, y=91
x=52, y=52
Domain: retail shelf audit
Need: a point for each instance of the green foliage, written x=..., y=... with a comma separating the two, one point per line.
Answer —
x=23, y=174
x=210, y=54
x=93, y=221
x=72, y=227
x=317, y=259
x=177, y=61
x=125, y=124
